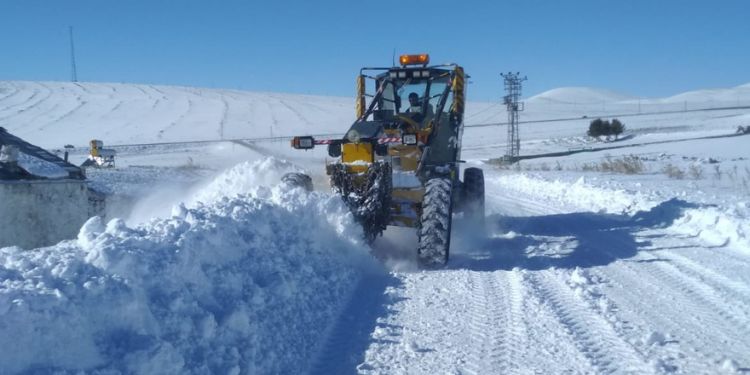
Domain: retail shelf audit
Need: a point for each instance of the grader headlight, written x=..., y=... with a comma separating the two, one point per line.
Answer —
x=353, y=136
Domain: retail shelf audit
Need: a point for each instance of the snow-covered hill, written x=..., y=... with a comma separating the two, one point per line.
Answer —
x=208, y=265
x=580, y=95
x=721, y=95
x=52, y=114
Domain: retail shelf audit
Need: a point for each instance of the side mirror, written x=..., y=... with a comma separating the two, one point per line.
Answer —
x=303, y=143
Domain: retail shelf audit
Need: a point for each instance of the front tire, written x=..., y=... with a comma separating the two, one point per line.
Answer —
x=435, y=224
x=374, y=210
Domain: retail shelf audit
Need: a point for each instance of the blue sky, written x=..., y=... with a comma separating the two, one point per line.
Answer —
x=643, y=48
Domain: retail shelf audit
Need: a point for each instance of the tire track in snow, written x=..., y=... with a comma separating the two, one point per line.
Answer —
x=83, y=88
x=664, y=322
x=606, y=349
x=50, y=110
x=518, y=331
x=496, y=323
x=739, y=290
x=13, y=91
x=139, y=88
x=697, y=290
x=24, y=105
x=38, y=114
x=652, y=307
x=67, y=114
x=713, y=289
x=488, y=324
x=158, y=91
x=293, y=110
x=181, y=117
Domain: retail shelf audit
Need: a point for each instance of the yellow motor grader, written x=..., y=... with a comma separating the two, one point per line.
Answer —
x=398, y=164
x=99, y=157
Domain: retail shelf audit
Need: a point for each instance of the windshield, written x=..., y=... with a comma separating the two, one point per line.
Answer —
x=410, y=96
x=365, y=129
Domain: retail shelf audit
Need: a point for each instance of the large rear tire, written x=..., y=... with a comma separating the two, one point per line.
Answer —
x=473, y=197
x=435, y=224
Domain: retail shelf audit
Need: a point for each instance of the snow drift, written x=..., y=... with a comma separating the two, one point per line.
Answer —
x=242, y=282
x=579, y=194
x=715, y=225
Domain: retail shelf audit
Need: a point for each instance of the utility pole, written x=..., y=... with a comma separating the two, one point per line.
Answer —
x=513, y=90
x=74, y=73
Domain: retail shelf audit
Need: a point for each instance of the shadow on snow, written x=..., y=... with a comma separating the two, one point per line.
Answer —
x=581, y=239
x=350, y=337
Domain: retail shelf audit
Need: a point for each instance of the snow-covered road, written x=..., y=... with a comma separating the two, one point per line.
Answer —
x=556, y=288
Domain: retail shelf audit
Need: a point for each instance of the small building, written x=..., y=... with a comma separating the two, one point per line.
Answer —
x=43, y=199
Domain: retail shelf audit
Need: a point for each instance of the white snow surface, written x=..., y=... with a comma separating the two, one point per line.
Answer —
x=581, y=95
x=208, y=265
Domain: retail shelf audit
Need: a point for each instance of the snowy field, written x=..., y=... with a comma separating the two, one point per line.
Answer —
x=206, y=264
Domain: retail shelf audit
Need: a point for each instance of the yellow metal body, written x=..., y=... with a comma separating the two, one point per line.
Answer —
x=357, y=156
x=458, y=88
x=360, y=104
x=95, y=146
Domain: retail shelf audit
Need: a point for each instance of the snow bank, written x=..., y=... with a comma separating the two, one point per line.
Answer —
x=717, y=226
x=579, y=194
x=240, y=283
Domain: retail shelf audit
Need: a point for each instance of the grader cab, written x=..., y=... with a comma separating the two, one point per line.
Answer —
x=398, y=164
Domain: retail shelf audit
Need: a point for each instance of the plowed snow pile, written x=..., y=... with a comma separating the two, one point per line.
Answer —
x=246, y=280
x=718, y=225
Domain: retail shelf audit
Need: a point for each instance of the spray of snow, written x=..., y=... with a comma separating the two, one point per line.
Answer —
x=249, y=177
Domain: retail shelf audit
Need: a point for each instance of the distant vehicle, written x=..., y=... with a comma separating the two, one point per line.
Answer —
x=100, y=157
